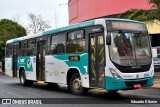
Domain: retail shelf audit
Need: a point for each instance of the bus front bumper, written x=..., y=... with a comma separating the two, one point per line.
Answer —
x=121, y=84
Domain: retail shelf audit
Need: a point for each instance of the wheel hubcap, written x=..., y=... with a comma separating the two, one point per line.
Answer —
x=22, y=79
x=77, y=84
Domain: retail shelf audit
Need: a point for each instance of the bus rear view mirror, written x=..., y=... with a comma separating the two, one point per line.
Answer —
x=108, y=39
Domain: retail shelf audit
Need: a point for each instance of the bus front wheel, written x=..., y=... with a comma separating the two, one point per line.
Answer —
x=76, y=85
x=23, y=80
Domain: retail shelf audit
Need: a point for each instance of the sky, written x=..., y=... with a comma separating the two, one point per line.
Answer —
x=54, y=11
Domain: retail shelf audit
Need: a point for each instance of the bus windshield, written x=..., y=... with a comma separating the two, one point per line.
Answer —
x=130, y=48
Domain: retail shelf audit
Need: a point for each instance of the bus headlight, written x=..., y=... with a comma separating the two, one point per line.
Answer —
x=114, y=73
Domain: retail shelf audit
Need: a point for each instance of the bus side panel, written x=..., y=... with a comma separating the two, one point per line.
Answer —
x=57, y=67
x=56, y=70
x=8, y=67
x=29, y=65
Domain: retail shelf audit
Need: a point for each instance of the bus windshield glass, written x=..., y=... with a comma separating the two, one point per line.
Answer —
x=130, y=48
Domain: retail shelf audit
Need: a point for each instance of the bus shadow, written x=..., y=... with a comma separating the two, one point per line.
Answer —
x=42, y=87
x=105, y=95
x=93, y=93
x=60, y=89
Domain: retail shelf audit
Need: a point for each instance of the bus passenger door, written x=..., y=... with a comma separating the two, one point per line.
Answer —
x=40, y=65
x=15, y=57
x=96, y=60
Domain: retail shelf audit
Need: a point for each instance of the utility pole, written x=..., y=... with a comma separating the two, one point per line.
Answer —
x=56, y=19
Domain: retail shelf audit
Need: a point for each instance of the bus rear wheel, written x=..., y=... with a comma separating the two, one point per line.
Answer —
x=76, y=85
x=23, y=79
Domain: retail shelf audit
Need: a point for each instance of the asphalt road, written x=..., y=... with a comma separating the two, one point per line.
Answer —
x=11, y=88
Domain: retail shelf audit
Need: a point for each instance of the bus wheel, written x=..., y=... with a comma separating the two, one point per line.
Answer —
x=23, y=80
x=76, y=85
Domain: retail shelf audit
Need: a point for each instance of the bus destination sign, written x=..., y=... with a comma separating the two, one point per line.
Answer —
x=126, y=25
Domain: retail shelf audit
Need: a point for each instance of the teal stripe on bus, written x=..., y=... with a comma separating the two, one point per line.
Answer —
x=74, y=26
x=82, y=64
x=119, y=84
x=15, y=40
x=126, y=20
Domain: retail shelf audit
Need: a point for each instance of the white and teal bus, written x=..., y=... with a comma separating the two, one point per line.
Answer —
x=108, y=53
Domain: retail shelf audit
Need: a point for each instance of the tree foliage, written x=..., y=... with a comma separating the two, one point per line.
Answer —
x=144, y=15
x=9, y=30
x=37, y=24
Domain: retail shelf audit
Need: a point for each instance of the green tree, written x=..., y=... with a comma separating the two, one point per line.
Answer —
x=144, y=15
x=9, y=30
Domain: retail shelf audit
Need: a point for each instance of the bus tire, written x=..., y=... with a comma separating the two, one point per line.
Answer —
x=23, y=79
x=76, y=85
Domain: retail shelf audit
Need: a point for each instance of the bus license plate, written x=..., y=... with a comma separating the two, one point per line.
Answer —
x=137, y=85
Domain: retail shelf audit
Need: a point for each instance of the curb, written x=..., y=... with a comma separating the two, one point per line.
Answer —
x=153, y=87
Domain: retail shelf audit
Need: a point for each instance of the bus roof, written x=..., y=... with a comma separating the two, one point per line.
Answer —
x=123, y=20
x=70, y=27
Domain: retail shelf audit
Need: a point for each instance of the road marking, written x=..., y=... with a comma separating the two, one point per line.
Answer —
x=15, y=94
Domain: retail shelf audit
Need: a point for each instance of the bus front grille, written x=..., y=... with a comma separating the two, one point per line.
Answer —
x=130, y=84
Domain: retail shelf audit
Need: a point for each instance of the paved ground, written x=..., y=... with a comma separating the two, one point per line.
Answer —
x=11, y=88
x=157, y=80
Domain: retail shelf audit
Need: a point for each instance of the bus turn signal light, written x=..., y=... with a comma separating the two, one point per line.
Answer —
x=74, y=58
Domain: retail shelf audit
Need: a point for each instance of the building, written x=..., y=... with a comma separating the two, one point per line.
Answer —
x=82, y=10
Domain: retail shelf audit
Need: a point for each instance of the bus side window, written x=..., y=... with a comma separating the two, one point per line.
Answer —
x=9, y=50
x=23, y=48
x=58, y=44
x=75, y=42
x=31, y=48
